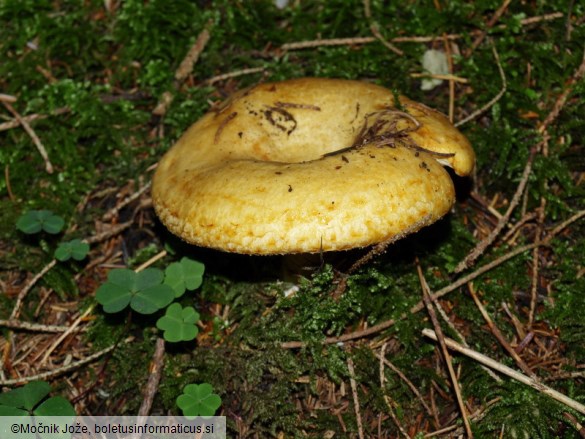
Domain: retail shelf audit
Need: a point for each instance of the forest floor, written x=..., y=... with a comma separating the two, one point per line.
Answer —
x=93, y=93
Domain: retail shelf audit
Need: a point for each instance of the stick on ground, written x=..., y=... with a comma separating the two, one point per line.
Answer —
x=356, y=401
x=487, y=361
x=426, y=292
x=156, y=367
x=33, y=136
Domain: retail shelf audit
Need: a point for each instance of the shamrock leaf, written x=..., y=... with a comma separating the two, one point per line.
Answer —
x=76, y=249
x=179, y=324
x=198, y=400
x=34, y=221
x=26, y=397
x=143, y=291
x=31, y=399
x=184, y=275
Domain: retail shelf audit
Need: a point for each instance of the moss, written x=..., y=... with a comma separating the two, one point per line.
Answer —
x=109, y=68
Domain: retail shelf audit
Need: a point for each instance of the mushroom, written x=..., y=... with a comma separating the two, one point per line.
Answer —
x=307, y=166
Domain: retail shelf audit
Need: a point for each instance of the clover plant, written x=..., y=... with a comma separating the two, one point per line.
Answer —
x=143, y=291
x=184, y=275
x=198, y=400
x=31, y=400
x=76, y=249
x=178, y=323
x=35, y=221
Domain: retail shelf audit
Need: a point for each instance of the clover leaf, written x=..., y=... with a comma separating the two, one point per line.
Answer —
x=184, y=275
x=143, y=291
x=31, y=399
x=178, y=323
x=76, y=249
x=34, y=221
x=198, y=400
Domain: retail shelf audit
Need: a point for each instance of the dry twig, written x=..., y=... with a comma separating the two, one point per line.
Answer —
x=327, y=42
x=446, y=356
x=16, y=310
x=34, y=327
x=186, y=66
x=445, y=290
x=536, y=259
x=152, y=260
x=387, y=398
x=115, y=230
x=55, y=372
x=375, y=29
x=356, y=401
x=449, y=54
x=156, y=367
x=562, y=99
x=452, y=344
x=499, y=336
x=31, y=118
x=7, y=180
x=112, y=212
x=495, y=99
x=183, y=71
x=488, y=240
x=69, y=331
x=490, y=24
x=234, y=74
x=33, y=136
x=7, y=98
x=413, y=39
x=447, y=77
x=403, y=377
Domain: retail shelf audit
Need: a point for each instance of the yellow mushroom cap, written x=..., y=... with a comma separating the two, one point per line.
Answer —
x=309, y=165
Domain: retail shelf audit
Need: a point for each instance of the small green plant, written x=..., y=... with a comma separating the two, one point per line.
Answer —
x=34, y=221
x=32, y=400
x=144, y=291
x=178, y=323
x=184, y=275
x=198, y=400
x=76, y=249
